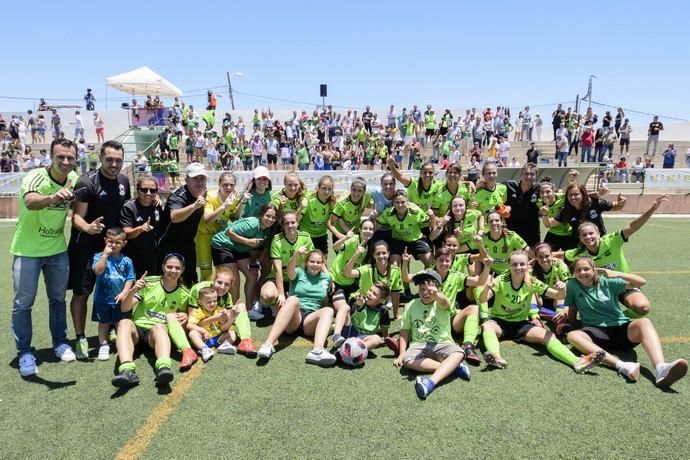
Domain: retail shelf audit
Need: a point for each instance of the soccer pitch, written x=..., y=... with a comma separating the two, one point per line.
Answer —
x=235, y=407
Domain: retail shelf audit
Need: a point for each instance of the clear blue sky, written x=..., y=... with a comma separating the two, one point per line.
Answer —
x=449, y=54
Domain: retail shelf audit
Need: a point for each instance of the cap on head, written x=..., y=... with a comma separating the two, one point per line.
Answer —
x=261, y=171
x=195, y=169
x=427, y=274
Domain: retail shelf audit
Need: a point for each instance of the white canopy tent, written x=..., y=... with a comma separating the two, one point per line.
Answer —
x=143, y=81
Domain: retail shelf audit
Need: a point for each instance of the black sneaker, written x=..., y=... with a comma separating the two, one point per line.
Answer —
x=164, y=376
x=125, y=379
x=471, y=355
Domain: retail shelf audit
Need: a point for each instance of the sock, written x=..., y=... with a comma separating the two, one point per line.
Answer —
x=561, y=352
x=163, y=362
x=491, y=342
x=127, y=366
x=177, y=335
x=80, y=336
x=619, y=366
x=242, y=325
x=658, y=368
x=206, y=274
x=471, y=329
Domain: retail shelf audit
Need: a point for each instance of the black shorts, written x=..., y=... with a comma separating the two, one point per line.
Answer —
x=272, y=159
x=461, y=300
x=610, y=338
x=303, y=316
x=367, y=161
x=416, y=248
x=227, y=256
x=513, y=330
x=144, y=335
x=626, y=293
x=82, y=279
x=343, y=292
x=429, y=131
x=624, y=142
x=381, y=235
x=321, y=243
x=562, y=242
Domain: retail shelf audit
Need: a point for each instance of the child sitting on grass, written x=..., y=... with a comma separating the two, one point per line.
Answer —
x=114, y=277
x=209, y=325
x=367, y=316
x=426, y=326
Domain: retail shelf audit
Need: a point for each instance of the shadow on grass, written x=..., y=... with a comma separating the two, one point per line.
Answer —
x=51, y=385
x=43, y=356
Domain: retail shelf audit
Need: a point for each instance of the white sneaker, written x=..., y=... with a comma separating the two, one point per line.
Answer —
x=321, y=358
x=266, y=351
x=256, y=312
x=669, y=373
x=65, y=353
x=206, y=354
x=103, y=352
x=629, y=370
x=226, y=348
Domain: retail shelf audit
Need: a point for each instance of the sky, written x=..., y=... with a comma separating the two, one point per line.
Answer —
x=455, y=54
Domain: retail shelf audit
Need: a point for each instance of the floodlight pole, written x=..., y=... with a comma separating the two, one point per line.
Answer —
x=232, y=99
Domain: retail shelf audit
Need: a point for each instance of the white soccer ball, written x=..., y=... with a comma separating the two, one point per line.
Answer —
x=354, y=352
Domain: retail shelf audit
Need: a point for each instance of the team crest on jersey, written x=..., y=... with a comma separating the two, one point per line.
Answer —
x=122, y=189
x=156, y=215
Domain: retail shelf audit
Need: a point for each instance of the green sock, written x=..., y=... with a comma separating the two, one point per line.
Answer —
x=128, y=366
x=491, y=342
x=242, y=324
x=560, y=351
x=177, y=335
x=471, y=329
x=163, y=362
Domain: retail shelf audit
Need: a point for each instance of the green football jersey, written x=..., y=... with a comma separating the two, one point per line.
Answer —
x=441, y=201
x=248, y=227
x=501, y=249
x=468, y=227
x=409, y=227
x=510, y=304
x=488, y=199
x=40, y=233
x=422, y=198
x=351, y=212
x=562, y=228
x=610, y=254
x=291, y=204
x=315, y=216
x=283, y=250
x=559, y=272
x=155, y=303
x=368, y=275
x=341, y=258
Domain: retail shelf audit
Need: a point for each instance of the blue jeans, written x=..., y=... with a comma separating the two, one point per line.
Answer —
x=586, y=152
x=25, y=272
x=562, y=159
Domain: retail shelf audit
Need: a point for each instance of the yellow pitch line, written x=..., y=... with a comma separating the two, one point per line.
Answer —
x=136, y=445
x=665, y=272
x=674, y=339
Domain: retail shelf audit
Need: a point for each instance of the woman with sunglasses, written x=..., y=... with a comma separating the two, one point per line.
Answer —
x=220, y=208
x=140, y=219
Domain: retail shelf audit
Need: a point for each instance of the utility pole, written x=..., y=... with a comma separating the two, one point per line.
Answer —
x=232, y=99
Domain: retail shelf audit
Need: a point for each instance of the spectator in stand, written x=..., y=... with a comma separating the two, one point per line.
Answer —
x=586, y=143
x=638, y=170
x=620, y=115
x=562, y=146
x=599, y=146
x=558, y=117
x=503, y=150
x=533, y=154
x=624, y=132
x=99, y=124
x=622, y=170
x=55, y=122
x=687, y=158
x=89, y=99
x=609, y=142
x=78, y=126
x=653, y=134
x=669, y=157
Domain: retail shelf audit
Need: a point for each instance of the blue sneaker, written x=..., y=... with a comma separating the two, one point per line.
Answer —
x=463, y=372
x=338, y=340
x=65, y=353
x=27, y=365
x=423, y=386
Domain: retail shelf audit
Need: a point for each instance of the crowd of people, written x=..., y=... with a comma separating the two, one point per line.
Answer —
x=168, y=276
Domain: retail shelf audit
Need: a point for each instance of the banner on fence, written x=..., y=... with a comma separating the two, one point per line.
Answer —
x=667, y=179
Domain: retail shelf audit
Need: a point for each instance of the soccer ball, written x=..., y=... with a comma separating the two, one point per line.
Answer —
x=353, y=352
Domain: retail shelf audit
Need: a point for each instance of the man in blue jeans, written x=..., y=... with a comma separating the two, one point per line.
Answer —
x=39, y=245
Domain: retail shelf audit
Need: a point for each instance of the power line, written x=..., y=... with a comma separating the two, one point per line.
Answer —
x=638, y=111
